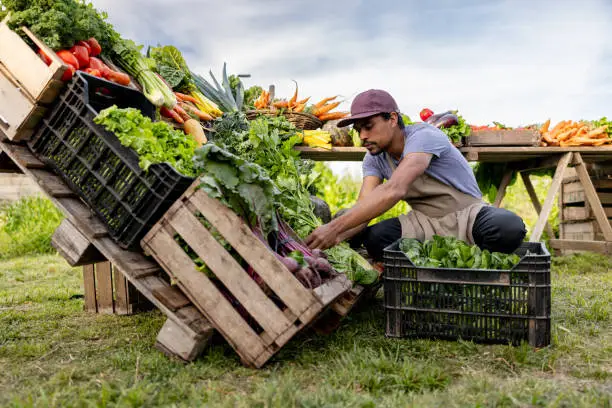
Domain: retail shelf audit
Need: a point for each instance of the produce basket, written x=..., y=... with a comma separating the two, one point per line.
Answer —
x=488, y=306
x=95, y=165
x=300, y=120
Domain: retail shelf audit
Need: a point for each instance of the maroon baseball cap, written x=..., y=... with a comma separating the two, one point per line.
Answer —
x=370, y=103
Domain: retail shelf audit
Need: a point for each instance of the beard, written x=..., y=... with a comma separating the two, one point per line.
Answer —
x=376, y=149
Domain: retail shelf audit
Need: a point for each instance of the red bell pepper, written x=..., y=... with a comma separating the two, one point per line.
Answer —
x=82, y=55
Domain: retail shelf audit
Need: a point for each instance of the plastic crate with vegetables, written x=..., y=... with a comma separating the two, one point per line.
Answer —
x=444, y=288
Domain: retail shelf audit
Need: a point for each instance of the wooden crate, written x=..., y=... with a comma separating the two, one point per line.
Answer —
x=19, y=113
x=503, y=137
x=107, y=291
x=270, y=323
x=42, y=83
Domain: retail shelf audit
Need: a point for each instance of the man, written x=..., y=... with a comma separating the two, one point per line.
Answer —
x=423, y=168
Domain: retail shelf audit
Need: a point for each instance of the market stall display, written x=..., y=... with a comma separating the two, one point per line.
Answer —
x=216, y=179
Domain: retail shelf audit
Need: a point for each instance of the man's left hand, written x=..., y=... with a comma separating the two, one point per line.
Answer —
x=323, y=237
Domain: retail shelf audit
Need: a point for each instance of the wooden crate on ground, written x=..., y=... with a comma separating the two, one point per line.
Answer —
x=576, y=217
x=27, y=84
x=504, y=137
x=107, y=291
x=256, y=323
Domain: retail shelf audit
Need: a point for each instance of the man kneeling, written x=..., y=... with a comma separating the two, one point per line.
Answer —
x=423, y=168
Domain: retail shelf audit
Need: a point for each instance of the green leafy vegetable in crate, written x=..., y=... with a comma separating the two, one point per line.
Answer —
x=449, y=252
x=154, y=142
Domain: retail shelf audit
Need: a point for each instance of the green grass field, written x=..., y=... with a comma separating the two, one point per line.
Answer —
x=53, y=354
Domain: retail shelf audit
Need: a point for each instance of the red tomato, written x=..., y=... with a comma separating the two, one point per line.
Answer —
x=82, y=55
x=425, y=114
x=95, y=47
x=69, y=73
x=94, y=72
x=44, y=57
x=84, y=44
x=68, y=58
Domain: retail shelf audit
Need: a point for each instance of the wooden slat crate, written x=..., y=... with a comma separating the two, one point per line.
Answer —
x=41, y=82
x=503, y=137
x=27, y=84
x=576, y=218
x=261, y=323
x=107, y=291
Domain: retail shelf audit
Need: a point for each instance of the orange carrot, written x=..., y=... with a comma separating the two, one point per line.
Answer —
x=300, y=107
x=197, y=112
x=281, y=104
x=324, y=101
x=171, y=114
x=181, y=112
x=187, y=98
x=325, y=108
x=303, y=101
x=333, y=116
x=294, y=97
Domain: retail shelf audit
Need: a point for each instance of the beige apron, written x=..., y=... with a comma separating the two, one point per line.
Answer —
x=438, y=209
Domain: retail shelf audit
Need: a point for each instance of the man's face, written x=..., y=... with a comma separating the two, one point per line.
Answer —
x=375, y=133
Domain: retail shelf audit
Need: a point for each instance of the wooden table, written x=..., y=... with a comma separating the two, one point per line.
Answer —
x=523, y=160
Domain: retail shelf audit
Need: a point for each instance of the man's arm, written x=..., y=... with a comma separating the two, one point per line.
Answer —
x=382, y=198
x=368, y=185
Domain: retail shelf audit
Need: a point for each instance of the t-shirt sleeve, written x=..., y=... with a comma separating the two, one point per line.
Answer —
x=370, y=167
x=427, y=140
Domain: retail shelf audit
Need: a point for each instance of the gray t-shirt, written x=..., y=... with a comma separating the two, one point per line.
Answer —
x=447, y=164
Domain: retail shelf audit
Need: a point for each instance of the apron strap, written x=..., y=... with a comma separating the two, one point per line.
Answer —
x=390, y=161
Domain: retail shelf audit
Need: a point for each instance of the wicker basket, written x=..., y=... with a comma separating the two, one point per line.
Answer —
x=300, y=120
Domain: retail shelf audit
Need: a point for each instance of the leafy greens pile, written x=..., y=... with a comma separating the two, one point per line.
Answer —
x=154, y=142
x=242, y=186
x=450, y=252
x=61, y=23
x=268, y=142
x=457, y=132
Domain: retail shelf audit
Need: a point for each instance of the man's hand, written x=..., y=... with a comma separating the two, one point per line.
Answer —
x=323, y=237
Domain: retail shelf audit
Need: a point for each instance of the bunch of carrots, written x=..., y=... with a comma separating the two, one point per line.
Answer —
x=263, y=101
x=293, y=104
x=186, y=103
x=323, y=108
x=569, y=133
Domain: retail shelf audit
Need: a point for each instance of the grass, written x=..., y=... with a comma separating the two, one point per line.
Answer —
x=52, y=353
x=26, y=227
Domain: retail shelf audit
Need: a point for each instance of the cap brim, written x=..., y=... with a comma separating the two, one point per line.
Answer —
x=351, y=119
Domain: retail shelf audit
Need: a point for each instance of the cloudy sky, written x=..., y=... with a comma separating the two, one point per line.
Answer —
x=512, y=61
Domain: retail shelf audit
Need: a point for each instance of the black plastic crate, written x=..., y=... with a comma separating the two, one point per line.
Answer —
x=483, y=305
x=96, y=166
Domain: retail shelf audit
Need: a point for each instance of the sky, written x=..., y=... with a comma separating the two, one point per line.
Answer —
x=512, y=61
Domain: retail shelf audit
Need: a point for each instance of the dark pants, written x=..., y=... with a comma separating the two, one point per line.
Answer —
x=495, y=229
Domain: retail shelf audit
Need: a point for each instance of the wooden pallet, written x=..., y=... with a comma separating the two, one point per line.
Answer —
x=186, y=331
x=107, y=291
x=504, y=137
x=254, y=324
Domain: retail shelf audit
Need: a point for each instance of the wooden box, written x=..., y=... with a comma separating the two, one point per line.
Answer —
x=19, y=114
x=107, y=291
x=41, y=82
x=256, y=323
x=503, y=137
